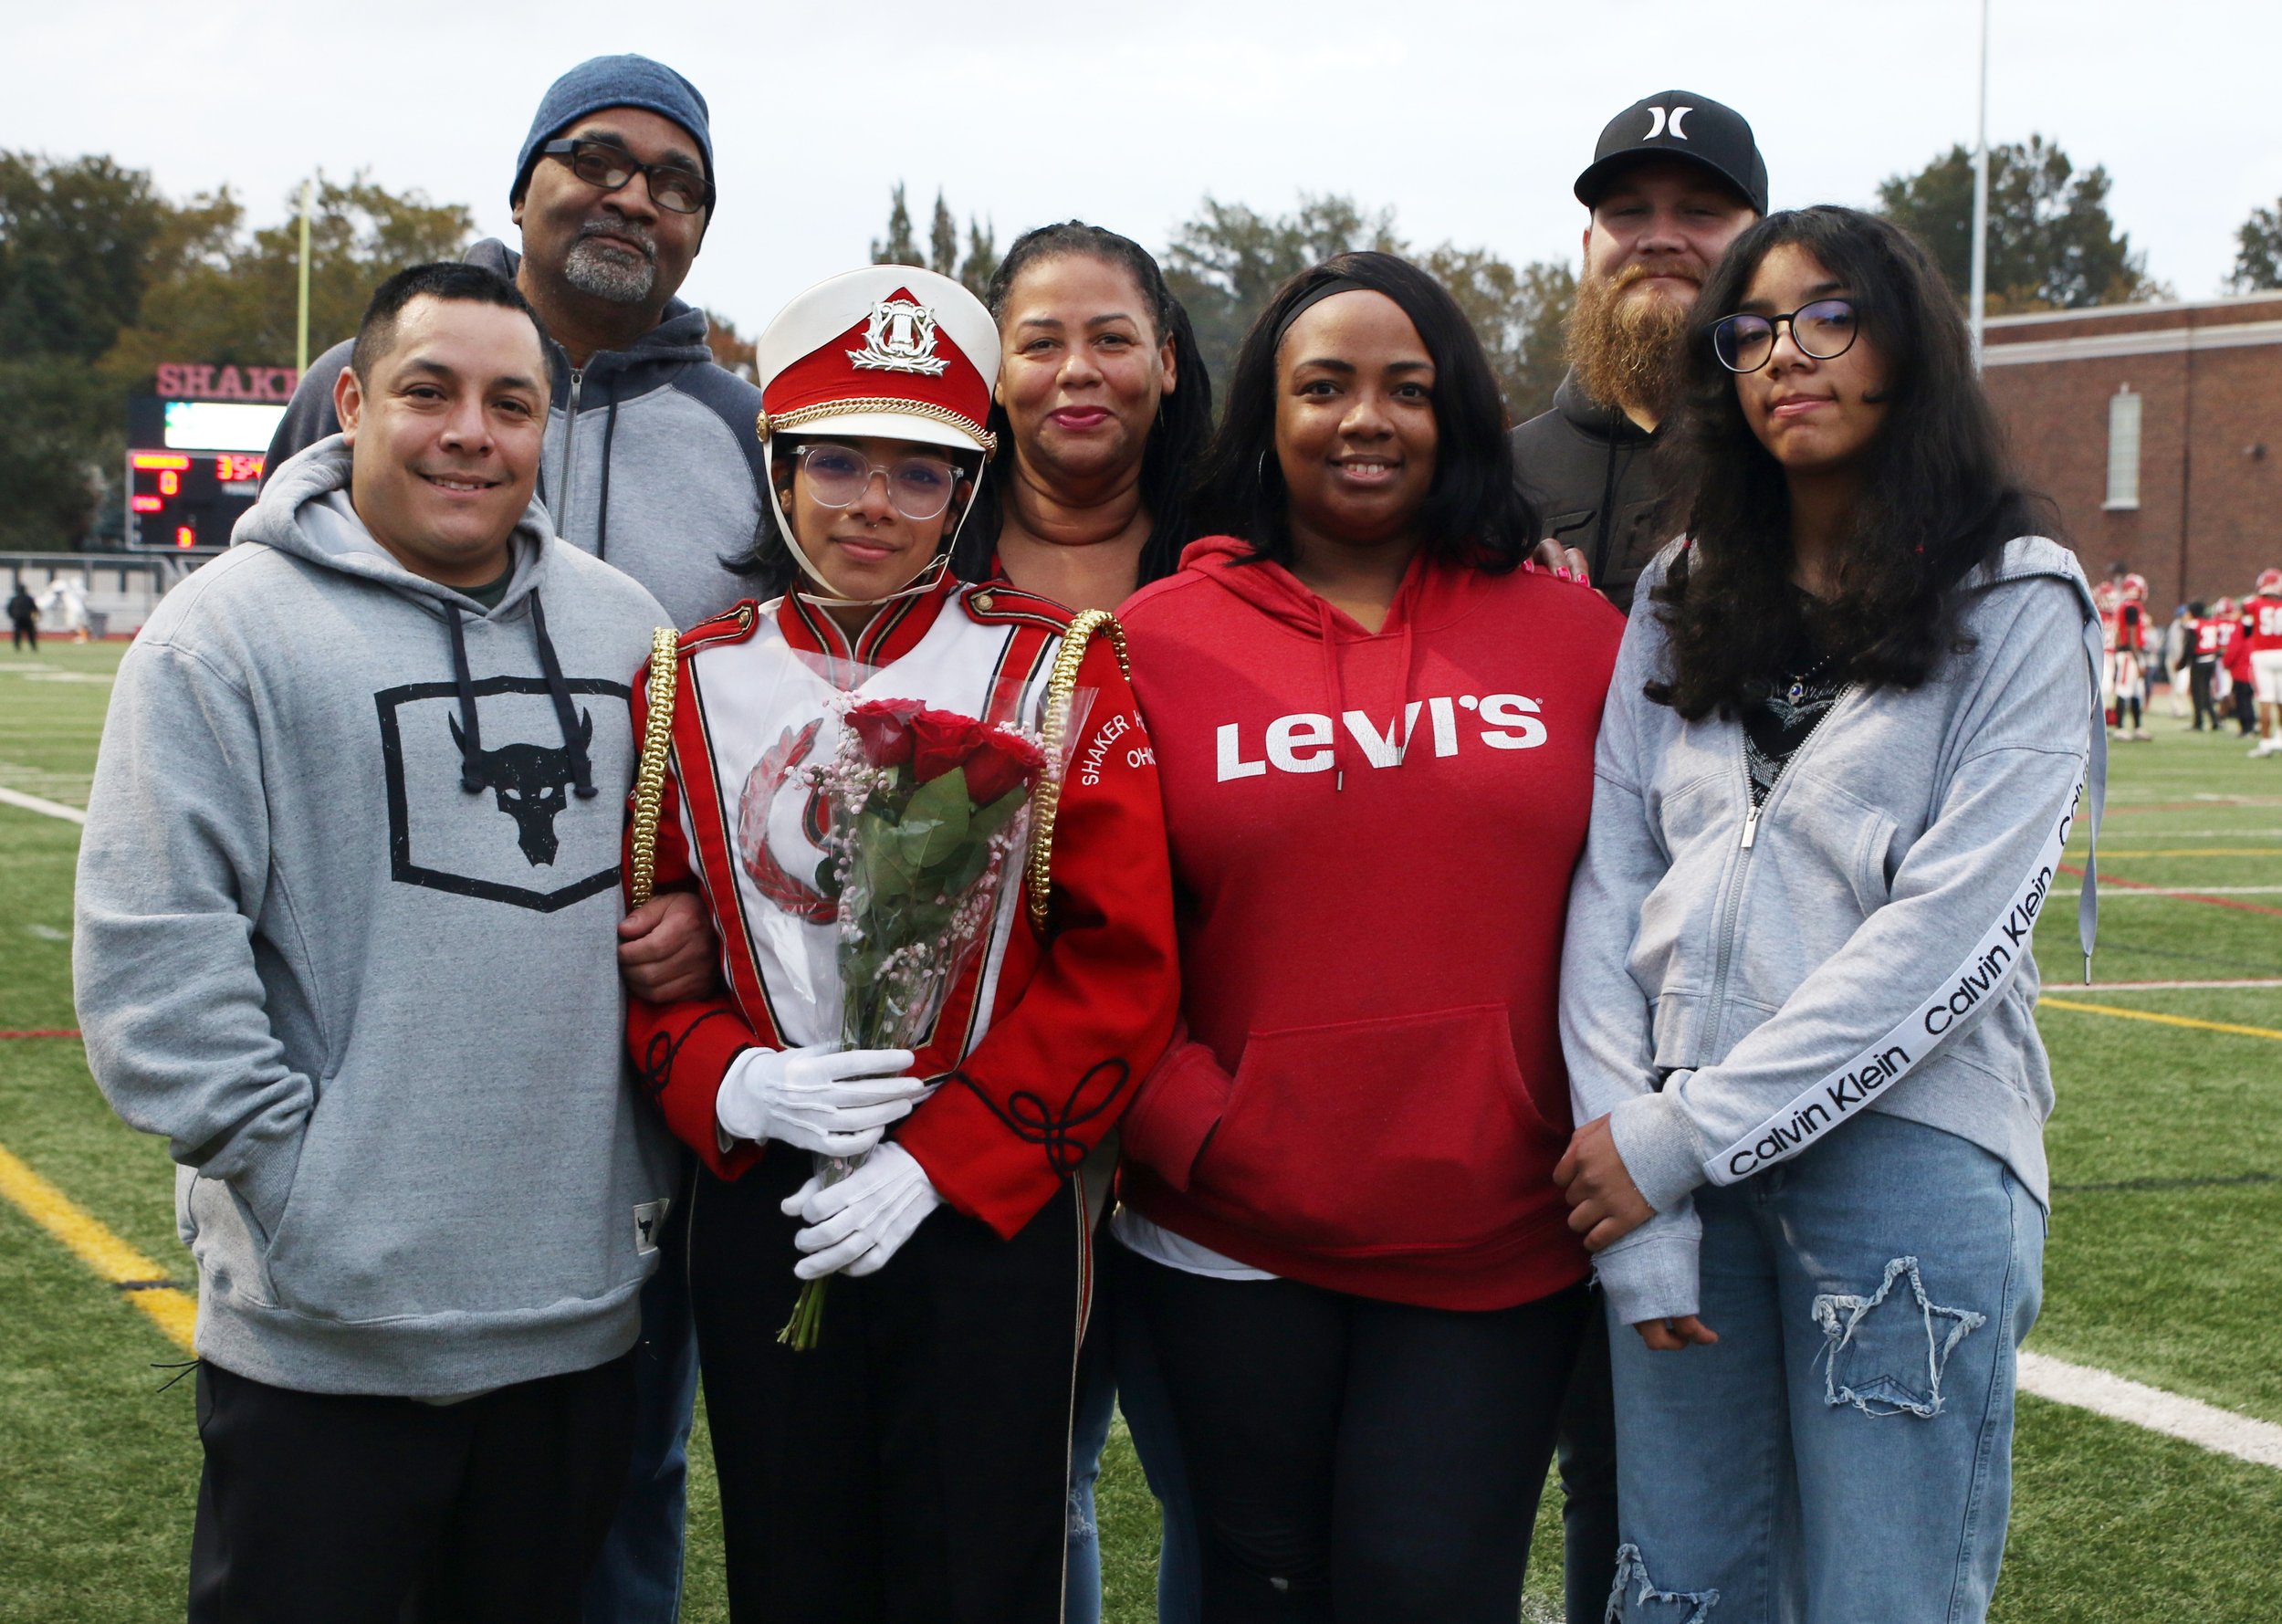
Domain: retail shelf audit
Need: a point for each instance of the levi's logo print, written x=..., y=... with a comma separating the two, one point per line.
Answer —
x=524, y=837
x=1302, y=742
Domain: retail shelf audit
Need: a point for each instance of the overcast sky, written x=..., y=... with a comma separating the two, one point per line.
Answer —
x=1471, y=118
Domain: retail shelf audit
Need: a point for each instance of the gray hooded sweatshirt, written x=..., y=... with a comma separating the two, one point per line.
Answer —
x=346, y=938
x=652, y=461
x=1738, y=983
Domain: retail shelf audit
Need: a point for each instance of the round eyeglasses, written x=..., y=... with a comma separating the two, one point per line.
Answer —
x=919, y=488
x=1823, y=331
x=599, y=164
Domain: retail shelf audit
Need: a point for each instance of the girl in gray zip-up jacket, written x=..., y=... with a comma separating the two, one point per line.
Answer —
x=1798, y=986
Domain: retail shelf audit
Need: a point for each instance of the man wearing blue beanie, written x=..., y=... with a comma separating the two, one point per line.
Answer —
x=651, y=462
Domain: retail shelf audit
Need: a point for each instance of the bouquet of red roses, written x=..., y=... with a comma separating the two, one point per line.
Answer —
x=928, y=814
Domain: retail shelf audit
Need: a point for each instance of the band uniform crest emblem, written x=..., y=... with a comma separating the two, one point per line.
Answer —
x=900, y=337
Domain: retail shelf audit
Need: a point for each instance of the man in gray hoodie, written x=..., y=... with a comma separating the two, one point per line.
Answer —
x=652, y=464
x=345, y=909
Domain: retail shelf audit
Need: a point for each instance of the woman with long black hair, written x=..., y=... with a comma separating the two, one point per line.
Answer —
x=1102, y=409
x=1855, y=717
x=1374, y=727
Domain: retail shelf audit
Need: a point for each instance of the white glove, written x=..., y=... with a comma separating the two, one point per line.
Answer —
x=858, y=1223
x=833, y=1101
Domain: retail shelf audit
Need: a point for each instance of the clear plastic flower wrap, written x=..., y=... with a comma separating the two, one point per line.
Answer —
x=914, y=831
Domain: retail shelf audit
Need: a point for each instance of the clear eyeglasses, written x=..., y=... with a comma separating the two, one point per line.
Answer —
x=919, y=488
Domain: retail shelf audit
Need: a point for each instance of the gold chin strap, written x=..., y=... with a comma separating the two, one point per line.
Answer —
x=657, y=743
x=1060, y=682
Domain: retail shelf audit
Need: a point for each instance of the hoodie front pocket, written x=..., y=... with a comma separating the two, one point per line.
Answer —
x=1411, y=1133
x=409, y=1202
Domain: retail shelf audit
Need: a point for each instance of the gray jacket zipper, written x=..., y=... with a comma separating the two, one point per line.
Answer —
x=570, y=456
x=1732, y=904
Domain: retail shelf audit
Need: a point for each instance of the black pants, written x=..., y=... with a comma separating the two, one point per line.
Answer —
x=2246, y=708
x=23, y=628
x=914, y=1465
x=385, y=1511
x=1587, y=1454
x=2199, y=689
x=1358, y=1460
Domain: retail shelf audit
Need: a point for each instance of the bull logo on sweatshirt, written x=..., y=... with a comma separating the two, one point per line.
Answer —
x=523, y=840
x=530, y=783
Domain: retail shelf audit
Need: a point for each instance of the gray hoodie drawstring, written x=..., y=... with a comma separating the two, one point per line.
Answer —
x=558, y=690
x=470, y=736
x=471, y=777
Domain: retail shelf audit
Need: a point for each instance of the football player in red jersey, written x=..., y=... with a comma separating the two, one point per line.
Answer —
x=2124, y=619
x=2235, y=690
x=2203, y=662
x=2107, y=596
x=2262, y=624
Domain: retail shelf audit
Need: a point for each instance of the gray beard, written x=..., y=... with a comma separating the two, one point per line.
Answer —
x=603, y=273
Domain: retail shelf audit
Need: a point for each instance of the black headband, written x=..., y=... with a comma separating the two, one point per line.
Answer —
x=1311, y=298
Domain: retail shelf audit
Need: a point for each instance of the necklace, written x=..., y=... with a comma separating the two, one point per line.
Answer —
x=1799, y=680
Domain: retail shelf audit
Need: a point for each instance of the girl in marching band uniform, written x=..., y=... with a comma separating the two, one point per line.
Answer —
x=912, y=1463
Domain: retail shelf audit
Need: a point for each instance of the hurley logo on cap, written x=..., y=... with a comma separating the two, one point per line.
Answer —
x=899, y=338
x=1659, y=124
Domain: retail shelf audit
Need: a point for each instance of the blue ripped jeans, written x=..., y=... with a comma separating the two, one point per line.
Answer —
x=1845, y=1451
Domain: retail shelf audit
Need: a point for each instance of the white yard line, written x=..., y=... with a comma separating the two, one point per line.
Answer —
x=2167, y=986
x=53, y=809
x=2222, y=1432
x=2113, y=892
x=2142, y=832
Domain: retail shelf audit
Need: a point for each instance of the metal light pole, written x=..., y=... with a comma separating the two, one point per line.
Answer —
x=1980, y=295
x=301, y=327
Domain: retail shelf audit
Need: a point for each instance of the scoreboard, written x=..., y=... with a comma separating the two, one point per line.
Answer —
x=193, y=467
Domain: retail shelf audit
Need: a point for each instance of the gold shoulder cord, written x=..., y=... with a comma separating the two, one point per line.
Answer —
x=1060, y=682
x=657, y=743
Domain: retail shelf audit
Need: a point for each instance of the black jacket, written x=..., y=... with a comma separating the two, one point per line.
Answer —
x=1587, y=469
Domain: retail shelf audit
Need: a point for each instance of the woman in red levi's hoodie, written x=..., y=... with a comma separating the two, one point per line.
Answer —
x=1374, y=729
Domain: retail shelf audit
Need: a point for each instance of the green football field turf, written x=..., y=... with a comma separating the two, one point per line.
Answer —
x=2163, y=1266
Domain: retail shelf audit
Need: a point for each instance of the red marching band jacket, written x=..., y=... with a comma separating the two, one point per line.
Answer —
x=1043, y=1042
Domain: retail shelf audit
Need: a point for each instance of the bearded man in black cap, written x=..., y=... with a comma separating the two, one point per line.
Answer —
x=1675, y=178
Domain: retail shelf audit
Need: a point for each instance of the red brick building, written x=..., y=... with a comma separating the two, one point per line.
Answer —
x=2158, y=429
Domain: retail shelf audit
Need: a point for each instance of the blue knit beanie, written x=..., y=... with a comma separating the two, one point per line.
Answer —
x=613, y=81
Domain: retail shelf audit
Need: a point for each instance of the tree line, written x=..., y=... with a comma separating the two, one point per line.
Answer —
x=102, y=279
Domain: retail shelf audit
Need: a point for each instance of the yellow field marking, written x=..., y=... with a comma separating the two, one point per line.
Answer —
x=2247, y=1031
x=174, y=1310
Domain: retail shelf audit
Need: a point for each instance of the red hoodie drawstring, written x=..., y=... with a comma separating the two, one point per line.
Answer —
x=1402, y=696
x=1335, y=680
x=1331, y=680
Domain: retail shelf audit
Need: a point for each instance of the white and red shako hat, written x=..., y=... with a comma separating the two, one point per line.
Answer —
x=890, y=351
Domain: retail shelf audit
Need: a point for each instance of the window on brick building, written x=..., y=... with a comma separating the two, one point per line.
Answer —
x=2123, y=449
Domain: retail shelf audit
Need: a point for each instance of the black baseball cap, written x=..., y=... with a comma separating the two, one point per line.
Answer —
x=1678, y=124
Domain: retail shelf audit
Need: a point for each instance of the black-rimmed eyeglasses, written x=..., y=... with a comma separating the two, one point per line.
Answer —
x=598, y=163
x=1824, y=330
